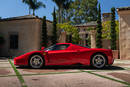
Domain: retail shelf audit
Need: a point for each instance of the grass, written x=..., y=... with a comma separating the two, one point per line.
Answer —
x=127, y=68
x=126, y=83
x=19, y=76
x=49, y=73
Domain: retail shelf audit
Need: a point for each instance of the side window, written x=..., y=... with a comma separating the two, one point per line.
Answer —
x=61, y=47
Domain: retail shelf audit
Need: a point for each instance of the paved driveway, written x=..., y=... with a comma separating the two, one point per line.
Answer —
x=117, y=75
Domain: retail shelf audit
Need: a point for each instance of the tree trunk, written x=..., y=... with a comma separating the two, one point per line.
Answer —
x=67, y=17
x=29, y=11
x=59, y=15
x=62, y=15
x=33, y=12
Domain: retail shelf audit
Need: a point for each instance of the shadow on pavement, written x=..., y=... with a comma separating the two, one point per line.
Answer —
x=74, y=67
x=4, y=58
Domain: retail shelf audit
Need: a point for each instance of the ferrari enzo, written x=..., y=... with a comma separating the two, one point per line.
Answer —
x=66, y=54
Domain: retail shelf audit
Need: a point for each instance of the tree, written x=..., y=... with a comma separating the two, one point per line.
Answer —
x=107, y=29
x=66, y=7
x=59, y=4
x=70, y=29
x=28, y=3
x=113, y=31
x=54, y=32
x=34, y=5
x=99, y=29
x=76, y=11
x=82, y=11
x=44, y=32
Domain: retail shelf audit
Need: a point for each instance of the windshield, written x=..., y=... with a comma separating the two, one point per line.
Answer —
x=49, y=48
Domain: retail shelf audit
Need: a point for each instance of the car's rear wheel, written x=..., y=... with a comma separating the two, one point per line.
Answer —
x=36, y=61
x=98, y=61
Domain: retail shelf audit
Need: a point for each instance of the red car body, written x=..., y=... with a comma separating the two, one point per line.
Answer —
x=73, y=54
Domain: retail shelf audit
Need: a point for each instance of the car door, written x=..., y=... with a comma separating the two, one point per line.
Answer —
x=59, y=55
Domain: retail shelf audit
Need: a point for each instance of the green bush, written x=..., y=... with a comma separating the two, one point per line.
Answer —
x=44, y=32
x=113, y=30
x=70, y=30
x=99, y=29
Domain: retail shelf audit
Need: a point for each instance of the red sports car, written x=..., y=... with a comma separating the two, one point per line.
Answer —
x=66, y=54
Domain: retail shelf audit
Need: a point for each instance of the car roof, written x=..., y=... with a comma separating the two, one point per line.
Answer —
x=63, y=43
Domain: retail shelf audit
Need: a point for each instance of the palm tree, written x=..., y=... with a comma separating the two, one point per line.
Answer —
x=59, y=4
x=28, y=3
x=34, y=5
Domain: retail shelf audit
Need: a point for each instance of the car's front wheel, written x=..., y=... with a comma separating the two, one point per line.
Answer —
x=98, y=61
x=36, y=61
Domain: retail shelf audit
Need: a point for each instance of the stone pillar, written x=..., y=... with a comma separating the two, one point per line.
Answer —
x=124, y=34
x=62, y=38
x=93, y=38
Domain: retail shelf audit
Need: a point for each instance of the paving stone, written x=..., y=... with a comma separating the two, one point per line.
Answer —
x=9, y=82
x=122, y=61
x=70, y=80
x=6, y=71
x=110, y=74
x=4, y=65
x=25, y=71
x=3, y=60
x=42, y=71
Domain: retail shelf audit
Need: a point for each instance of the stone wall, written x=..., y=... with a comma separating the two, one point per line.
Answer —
x=124, y=35
x=29, y=35
x=105, y=42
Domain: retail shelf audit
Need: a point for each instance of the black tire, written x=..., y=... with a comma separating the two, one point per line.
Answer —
x=98, y=61
x=36, y=61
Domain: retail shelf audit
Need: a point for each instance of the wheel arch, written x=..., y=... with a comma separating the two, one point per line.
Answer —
x=102, y=53
x=37, y=53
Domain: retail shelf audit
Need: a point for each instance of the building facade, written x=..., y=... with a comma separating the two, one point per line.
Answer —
x=22, y=34
x=85, y=33
x=124, y=32
x=106, y=17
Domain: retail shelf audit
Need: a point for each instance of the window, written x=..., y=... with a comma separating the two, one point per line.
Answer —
x=57, y=47
x=13, y=41
x=82, y=45
x=61, y=47
x=86, y=36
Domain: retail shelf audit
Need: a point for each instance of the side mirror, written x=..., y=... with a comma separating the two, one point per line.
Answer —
x=42, y=48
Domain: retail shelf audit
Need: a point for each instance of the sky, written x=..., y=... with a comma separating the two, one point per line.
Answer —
x=13, y=8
